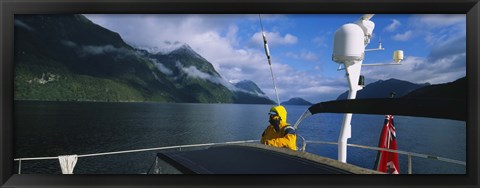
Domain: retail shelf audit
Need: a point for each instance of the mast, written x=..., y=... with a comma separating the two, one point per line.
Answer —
x=349, y=50
x=350, y=41
x=267, y=53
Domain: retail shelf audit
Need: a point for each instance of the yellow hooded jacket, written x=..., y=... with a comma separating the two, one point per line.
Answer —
x=286, y=137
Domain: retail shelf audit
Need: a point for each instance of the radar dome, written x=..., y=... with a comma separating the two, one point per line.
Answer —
x=348, y=44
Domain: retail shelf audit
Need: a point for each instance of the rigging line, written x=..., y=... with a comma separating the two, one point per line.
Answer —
x=141, y=150
x=267, y=52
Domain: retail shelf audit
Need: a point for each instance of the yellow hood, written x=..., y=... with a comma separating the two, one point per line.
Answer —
x=281, y=111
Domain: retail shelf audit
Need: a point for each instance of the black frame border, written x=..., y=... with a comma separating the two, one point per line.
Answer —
x=10, y=7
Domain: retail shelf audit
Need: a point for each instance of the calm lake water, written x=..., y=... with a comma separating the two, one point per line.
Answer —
x=47, y=129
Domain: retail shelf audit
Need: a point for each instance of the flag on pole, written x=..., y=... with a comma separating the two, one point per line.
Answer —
x=387, y=161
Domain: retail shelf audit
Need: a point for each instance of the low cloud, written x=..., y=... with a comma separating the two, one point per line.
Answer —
x=98, y=50
x=91, y=50
x=162, y=67
x=69, y=43
x=193, y=72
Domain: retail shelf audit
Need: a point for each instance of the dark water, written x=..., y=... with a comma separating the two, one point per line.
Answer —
x=45, y=129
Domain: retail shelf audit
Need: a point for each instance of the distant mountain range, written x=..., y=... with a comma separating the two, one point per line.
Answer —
x=383, y=88
x=452, y=90
x=296, y=101
x=68, y=57
x=404, y=89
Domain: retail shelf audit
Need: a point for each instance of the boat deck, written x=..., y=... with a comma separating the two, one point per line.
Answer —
x=249, y=159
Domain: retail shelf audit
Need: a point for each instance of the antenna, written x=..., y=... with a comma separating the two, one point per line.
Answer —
x=380, y=42
x=379, y=46
x=267, y=52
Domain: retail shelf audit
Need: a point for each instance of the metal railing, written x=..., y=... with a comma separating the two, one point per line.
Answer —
x=130, y=151
x=409, y=154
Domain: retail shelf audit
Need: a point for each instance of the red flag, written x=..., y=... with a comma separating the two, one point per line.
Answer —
x=387, y=161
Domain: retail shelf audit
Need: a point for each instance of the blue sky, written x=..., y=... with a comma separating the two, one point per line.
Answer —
x=301, y=47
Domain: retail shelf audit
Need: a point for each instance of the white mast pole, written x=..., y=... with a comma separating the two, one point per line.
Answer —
x=349, y=49
x=353, y=73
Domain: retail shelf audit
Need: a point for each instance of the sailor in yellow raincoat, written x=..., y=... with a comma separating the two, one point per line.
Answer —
x=279, y=133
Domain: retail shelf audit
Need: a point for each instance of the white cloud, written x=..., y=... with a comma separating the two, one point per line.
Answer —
x=216, y=38
x=232, y=34
x=403, y=36
x=335, y=90
x=162, y=67
x=436, y=29
x=445, y=35
x=293, y=83
x=421, y=70
x=320, y=41
x=309, y=56
x=304, y=55
x=393, y=26
x=193, y=72
x=274, y=38
x=433, y=21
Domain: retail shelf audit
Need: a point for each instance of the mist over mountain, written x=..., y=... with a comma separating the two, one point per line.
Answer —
x=383, y=88
x=165, y=48
x=68, y=57
x=250, y=86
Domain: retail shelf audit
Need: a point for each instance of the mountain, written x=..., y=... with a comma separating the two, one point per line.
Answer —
x=296, y=101
x=452, y=90
x=248, y=92
x=250, y=86
x=382, y=89
x=68, y=57
x=193, y=76
x=82, y=61
x=192, y=73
